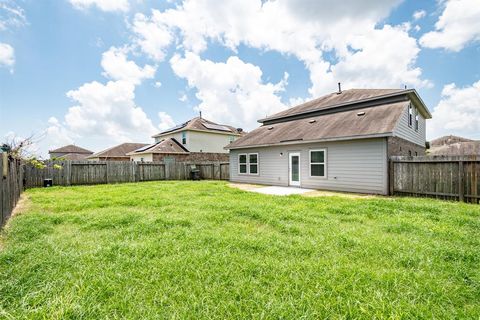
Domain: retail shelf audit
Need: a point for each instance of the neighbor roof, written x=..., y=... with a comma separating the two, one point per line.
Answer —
x=345, y=98
x=118, y=151
x=169, y=145
x=456, y=149
x=376, y=121
x=201, y=124
x=71, y=149
x=454, y=146
x=447, y=140
x=74, y=156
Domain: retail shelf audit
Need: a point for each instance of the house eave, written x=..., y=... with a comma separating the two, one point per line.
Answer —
x=410, y=93
x=158, y=135
x=332, y=139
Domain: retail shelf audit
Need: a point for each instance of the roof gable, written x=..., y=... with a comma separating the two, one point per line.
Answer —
x=169, y=145
x=201, y=124
x=120, y=150
x=347, y=124
x=71, y=149
x=352, y=98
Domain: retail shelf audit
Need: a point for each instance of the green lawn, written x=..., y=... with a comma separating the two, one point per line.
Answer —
x=204, y=250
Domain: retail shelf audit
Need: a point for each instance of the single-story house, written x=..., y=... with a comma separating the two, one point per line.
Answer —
x=70, y=152
x=341, y=141
x=454, y=146
x=197, y=139
x=116, y=153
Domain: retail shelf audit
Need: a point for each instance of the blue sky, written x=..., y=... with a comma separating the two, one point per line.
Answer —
x=100, y=72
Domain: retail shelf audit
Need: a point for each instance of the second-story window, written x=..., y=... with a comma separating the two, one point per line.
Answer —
x=410, y=115
x=416, y=120
x=184, y=137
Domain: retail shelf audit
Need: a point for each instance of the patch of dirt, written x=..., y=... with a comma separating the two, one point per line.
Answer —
x=323, y=193
x=22, y=206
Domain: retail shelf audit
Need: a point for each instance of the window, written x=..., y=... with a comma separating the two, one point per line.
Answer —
x=232, y=138
x=242, y=163
x=416, y=120
x=318, y=163
x=184, y=137
x=248, y=163
x=410, y=115
x=253, y=163
x=409, y=153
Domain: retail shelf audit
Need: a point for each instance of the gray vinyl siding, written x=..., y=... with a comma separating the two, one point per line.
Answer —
x=353, y=166
x=404, y=131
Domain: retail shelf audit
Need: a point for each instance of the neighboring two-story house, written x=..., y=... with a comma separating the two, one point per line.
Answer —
x=197, y=139
x=341, y=141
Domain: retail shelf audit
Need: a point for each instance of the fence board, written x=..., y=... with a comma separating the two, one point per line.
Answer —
x=89, y=172
x=11, y=186
x=450, y=178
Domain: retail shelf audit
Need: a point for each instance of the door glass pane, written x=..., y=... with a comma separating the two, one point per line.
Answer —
x=295, y=168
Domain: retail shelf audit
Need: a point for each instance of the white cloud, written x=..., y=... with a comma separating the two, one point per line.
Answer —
x=104, y=5
x=458, y=25
x=11, y=15
x=419, y=14
x=166, y=121
x=303, y=29
x=458, y=112
x=108, y=112
x=183, y=98
x=230, y=92
x=117, y=67
x=157, y=84
x=7, y=56
x=152, y=35
x=57, y=135
x=365, y=66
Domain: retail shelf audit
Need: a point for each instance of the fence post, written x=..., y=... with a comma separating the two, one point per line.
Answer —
x=461, y=187
x=390, y=178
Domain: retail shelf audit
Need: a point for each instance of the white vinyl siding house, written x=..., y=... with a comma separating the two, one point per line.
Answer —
x=410, y=133
x=195, y=137
x=338, y=142
x=352, y=166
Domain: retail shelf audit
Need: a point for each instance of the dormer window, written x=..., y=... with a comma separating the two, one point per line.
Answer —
x=410, y=115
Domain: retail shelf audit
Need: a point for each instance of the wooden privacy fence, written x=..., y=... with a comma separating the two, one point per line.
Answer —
x=443, y=177
x=88, y=172
x=11, y=186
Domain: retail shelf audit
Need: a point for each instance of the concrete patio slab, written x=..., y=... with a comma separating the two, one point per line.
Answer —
x=281, y=191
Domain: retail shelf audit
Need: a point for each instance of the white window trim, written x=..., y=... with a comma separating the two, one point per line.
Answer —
x=184, y=136
x=247, y=155
x=417, y=120
x=325, y=160
x=410, y=107
x=258, y=164
x=246, y=163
